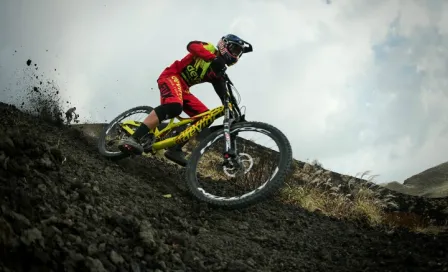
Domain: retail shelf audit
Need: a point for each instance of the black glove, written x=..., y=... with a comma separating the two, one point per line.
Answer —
x=218, y=66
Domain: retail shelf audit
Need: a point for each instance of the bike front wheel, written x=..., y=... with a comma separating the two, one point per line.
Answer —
x=254, y=165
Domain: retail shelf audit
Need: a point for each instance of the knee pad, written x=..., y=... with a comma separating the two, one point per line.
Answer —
x=168, y=111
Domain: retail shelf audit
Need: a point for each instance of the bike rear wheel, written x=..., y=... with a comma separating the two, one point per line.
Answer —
x=251, y=154
x=105, y=140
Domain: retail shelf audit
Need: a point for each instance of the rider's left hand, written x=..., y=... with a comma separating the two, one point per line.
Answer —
x=218, y=66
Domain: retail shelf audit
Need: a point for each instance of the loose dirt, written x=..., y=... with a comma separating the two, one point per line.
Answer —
x=66, y=208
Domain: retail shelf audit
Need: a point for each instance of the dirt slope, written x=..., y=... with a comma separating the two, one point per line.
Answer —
x=66, y=208
x=433, y=209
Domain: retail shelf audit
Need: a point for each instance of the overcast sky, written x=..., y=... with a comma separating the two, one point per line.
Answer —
x=358, y=85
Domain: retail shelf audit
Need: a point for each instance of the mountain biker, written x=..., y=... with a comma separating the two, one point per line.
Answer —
x=203, y=63
x=69, y=115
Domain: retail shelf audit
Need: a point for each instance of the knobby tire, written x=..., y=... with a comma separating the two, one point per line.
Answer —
x=102, y=137
x=271, y=187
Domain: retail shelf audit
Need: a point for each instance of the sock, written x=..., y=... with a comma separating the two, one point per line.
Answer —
x=141, y=131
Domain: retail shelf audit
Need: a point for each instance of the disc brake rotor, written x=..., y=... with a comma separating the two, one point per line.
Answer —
x=246, y=162
x=120, y=134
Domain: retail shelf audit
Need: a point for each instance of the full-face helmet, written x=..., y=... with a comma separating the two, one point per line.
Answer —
x=231, y=48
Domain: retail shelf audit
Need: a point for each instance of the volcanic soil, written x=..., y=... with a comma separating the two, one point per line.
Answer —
x=65, y=208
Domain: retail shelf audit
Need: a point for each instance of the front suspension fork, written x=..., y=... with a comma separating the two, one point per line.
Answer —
x=230, y=152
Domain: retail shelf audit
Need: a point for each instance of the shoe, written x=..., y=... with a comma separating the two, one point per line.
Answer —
x=130, y=145
x=175, y=154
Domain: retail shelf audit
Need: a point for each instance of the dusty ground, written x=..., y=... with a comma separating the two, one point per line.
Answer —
x=66, y=208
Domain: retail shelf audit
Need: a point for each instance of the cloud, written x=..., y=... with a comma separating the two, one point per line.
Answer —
x=358, y=85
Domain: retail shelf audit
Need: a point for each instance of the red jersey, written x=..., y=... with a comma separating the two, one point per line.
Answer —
x=194, y=67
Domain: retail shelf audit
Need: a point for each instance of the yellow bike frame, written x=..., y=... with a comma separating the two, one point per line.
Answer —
x=202, y=121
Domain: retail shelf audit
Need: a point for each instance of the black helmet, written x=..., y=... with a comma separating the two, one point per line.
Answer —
x=231, y=47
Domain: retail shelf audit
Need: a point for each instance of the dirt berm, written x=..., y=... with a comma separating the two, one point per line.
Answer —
x=64, y=208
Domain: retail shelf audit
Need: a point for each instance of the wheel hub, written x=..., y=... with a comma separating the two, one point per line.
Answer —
x=240, y=166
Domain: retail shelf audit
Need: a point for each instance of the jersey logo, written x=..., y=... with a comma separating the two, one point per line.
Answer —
x=194, y=73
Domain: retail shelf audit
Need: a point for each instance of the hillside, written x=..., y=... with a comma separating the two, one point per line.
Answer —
x=65, y=207
x=434, y=176
x=432, y=182
x=306, y=174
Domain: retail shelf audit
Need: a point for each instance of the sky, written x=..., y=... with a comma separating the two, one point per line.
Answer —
x=357, y=85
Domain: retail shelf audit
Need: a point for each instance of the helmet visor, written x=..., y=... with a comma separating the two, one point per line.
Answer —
x=235, y=49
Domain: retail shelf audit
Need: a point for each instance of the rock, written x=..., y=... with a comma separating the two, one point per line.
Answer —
x=237, y=266
x=94, y=265
x=139, y=252
x=42, y=187
x=147, y=234
x=7, y=235
x=17, y=217
x=31, y=236
x=116, y=258
x=7, y=145
x=57, y=154
x=92, y=249
x=243, y=226
x=45, y=162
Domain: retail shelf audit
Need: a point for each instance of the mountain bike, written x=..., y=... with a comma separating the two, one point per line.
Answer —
x=234, y=158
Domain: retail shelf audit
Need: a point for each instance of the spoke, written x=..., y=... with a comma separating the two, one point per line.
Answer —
x=253, y=172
